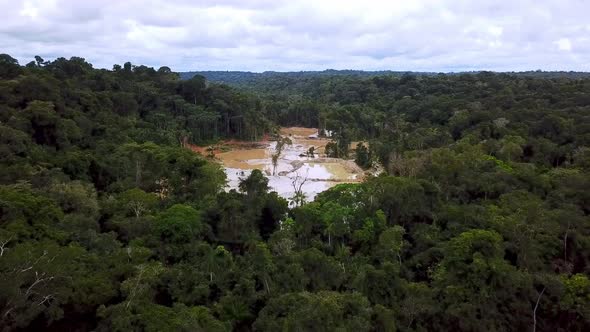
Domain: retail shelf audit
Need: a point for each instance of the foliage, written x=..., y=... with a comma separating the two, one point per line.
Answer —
x=109, y=222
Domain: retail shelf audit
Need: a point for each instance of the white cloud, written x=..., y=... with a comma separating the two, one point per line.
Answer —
x=262, y=35
x=29, y=10
x=564, y=44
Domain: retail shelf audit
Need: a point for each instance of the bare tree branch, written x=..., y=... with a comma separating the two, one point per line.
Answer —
x=3, y=245
x=535, y=310
x=134, y=291
x=45, y=299
x=299, y=196
x=38, y=279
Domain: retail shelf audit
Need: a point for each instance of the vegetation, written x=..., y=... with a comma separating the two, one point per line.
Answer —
x=109, y=223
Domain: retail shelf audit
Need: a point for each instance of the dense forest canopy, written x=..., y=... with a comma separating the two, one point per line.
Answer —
x=246, y=79
x=481, y=220
x=250, y=80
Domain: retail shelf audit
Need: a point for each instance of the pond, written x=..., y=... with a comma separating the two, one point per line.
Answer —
x=294, y=168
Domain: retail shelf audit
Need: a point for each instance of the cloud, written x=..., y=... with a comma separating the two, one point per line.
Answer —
x=564, y=44
x=29, y=10
x=260, y=35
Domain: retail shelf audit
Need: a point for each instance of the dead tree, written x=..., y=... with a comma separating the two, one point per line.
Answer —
x=3, y=244
x=298, y=198
x=281, y=142
x=33, y=289
x=535, y=310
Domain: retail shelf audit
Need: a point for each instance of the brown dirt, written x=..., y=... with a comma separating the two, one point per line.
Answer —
x=300, y=134
x=244, y=154
x=298, y=131
x=238, y=158
x=203, y=149
x=229, y=145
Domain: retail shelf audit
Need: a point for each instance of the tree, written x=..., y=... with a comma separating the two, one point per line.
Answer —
x=179, y=224
x=281, y=142
x=323, y=271
x=9, y=67
x=417, y=305
x=331, y=150
x=216, y=260
x=474, y=268
x=164, y=70
x=342, y=144
x=362, y=157
x=260, y=261
x=43, y=122
x=297, y=183
x=391, y=243
x=41, y=279
x=576, y=298
x=511, y=148
x=141, y=156
x=324, y=311
x=28, y=215
x=255, y=184
x=138, y=201
x=39, y=61
x=367, y=234
x=273, y=211
x=402, y=199
x=337, y=220
x=193, y=90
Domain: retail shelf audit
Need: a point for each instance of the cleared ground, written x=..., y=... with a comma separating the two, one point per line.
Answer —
x=319, y=173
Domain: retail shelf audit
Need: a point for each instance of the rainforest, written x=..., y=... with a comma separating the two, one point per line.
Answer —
x=470, y=212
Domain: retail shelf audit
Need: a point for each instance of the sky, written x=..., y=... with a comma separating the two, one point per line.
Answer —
x=294, y=35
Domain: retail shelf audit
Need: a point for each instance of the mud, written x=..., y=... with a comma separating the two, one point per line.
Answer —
x=293, y=167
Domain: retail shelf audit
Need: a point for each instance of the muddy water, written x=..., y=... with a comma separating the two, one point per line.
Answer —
x=317, y=174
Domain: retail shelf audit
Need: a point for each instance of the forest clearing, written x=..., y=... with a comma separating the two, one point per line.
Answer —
x=295, y=167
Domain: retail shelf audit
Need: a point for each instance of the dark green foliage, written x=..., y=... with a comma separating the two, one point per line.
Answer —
x=322, y=311
x=362, y=156
x=255, y=184
x=9, y=67
x=108, y=222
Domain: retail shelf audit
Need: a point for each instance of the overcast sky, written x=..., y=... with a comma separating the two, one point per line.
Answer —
x=259, y=35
